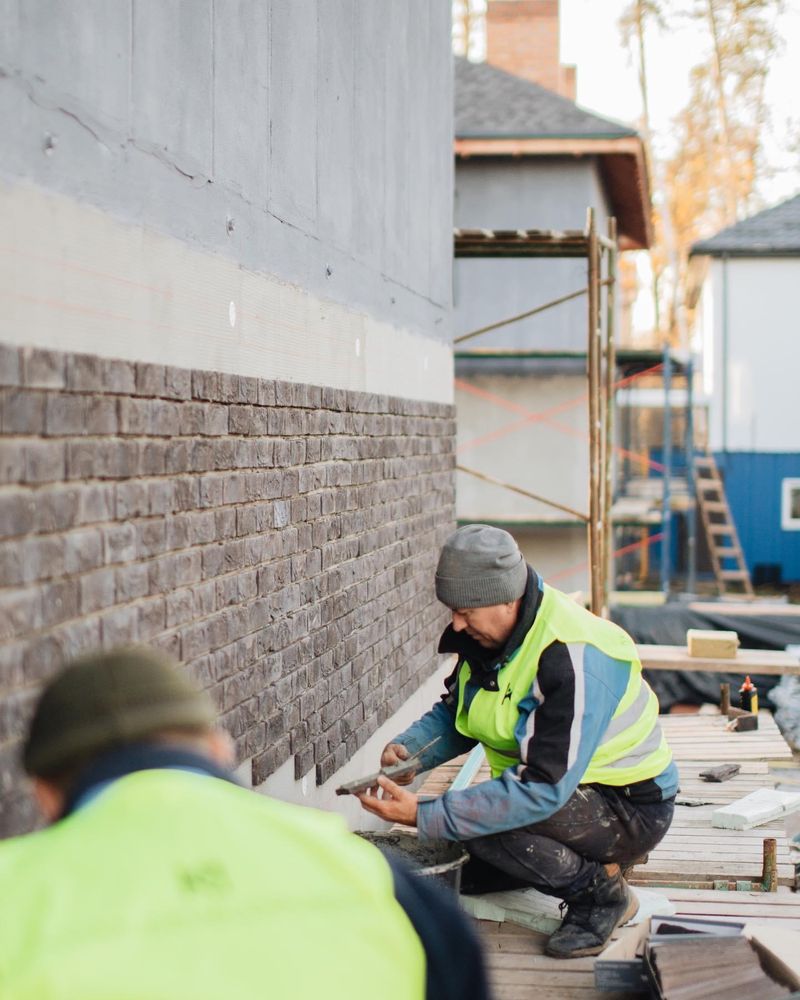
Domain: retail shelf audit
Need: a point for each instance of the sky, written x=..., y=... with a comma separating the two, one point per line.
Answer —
x=591, y=40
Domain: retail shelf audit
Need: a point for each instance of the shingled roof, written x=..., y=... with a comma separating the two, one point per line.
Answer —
x=498, y=114
x=493, y=104
x=775, y=232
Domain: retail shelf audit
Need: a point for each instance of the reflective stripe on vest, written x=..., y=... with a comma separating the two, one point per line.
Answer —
x=633, y=747
x=171, y=884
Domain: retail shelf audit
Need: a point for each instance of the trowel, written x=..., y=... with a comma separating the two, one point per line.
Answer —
x=392, y=771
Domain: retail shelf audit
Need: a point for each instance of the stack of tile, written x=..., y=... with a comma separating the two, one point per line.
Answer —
x=704, y=968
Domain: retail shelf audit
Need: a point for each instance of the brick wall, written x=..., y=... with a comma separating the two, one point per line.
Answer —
x=278, y=538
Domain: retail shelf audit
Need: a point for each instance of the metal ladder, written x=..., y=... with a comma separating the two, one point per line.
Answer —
x=723, y=540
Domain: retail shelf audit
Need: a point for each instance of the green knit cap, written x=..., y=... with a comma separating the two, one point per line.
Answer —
x=106, y=699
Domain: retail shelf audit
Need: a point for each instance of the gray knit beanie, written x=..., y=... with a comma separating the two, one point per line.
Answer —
x=480, y=566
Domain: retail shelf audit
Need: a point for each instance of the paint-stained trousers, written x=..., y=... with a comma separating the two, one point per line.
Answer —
x=562, y=855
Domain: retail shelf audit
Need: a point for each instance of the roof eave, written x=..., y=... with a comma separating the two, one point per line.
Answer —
x=624, y=173
x=700, y=251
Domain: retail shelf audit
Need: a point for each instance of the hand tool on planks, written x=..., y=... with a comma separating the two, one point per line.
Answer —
x=392, y=771
x=720, y=773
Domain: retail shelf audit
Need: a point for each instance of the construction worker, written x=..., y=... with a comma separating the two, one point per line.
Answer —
x=582, y=777
x=159, y=876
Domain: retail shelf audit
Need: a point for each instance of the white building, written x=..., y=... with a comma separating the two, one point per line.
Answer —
x=750, y=332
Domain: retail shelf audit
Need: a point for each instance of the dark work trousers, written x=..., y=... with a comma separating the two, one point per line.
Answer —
x=562, y=855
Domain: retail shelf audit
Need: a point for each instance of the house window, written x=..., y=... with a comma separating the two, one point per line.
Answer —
x=790, y=505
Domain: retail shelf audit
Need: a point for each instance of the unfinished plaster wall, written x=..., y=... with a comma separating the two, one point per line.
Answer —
x=226, y=381
x=307, y=143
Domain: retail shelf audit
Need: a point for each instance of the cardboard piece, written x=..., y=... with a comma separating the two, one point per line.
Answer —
x=754, y=809
x=538, y=912
x=778, y=950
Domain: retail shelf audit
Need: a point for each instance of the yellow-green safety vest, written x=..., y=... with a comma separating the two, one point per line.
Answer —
x=633, y=747
x=177, y=886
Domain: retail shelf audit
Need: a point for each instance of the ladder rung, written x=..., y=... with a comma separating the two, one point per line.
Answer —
x=727, y=551
x=715, y=505
x=705, y=462
x=734, y=574
x=720, y=529
x=707, y=485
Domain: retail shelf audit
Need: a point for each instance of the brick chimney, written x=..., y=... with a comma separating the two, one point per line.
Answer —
x=522, y=38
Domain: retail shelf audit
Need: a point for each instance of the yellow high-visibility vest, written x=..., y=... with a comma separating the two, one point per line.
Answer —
x=171, y=885
x=633, y=747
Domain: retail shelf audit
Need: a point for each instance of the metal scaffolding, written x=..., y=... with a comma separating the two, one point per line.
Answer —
x=600, y=252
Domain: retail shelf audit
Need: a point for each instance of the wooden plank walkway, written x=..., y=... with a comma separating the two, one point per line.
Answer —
x=693, y=854
x=746, y=661
x=683, y=867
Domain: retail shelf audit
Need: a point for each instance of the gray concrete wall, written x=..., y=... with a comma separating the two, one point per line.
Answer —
x=548, y=193
x=309, y=140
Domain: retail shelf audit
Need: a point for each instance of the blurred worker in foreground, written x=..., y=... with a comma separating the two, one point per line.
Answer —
x=160, y=877
x=583, y=779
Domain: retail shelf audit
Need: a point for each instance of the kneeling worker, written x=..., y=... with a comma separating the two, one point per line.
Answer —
x=160, y=877
x=583, y=779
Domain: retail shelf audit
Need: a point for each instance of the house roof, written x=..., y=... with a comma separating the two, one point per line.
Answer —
x=775, y=232
x=498, y=114
x=493, y=104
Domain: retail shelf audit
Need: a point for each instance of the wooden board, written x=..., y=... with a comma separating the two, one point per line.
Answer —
x=746, y=661
x=519, y=969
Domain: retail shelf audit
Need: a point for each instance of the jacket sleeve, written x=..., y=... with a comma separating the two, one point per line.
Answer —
x=562, y=721
x=439, y=722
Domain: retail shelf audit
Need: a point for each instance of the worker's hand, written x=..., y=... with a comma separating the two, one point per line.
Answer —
x=396, y=753
x=391, y=802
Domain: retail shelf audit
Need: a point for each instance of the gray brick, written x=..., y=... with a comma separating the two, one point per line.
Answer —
x=266, y=393
x=97, y=590
x=10, y=365
x=43, y=369
x=45, y=461
x=12, y=461
x=178, y=383
x=83, y=550
x=152, y=618
x=101, y=415
x=119, y=543
x=132, y=582
x=151, y=457
x=151, y=536
x=135, y=416
x=120, y=626
x=150, y=380
x=60, y=601
x=132, y=499
x=205, y=385
x=22, y=411
x=20, y=612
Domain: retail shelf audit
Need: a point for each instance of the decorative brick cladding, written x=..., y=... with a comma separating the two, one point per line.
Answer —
x=279, y=539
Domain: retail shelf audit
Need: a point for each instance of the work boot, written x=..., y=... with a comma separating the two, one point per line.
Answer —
x=593, y=915
x=636, y=863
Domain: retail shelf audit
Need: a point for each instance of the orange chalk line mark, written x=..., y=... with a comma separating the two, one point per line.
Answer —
x=619, y=552
x=543, y=416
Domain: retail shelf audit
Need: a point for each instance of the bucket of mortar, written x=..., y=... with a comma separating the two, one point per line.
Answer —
x=440, y=860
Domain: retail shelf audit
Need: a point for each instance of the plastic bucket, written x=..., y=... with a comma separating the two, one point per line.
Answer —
x=440, y=860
